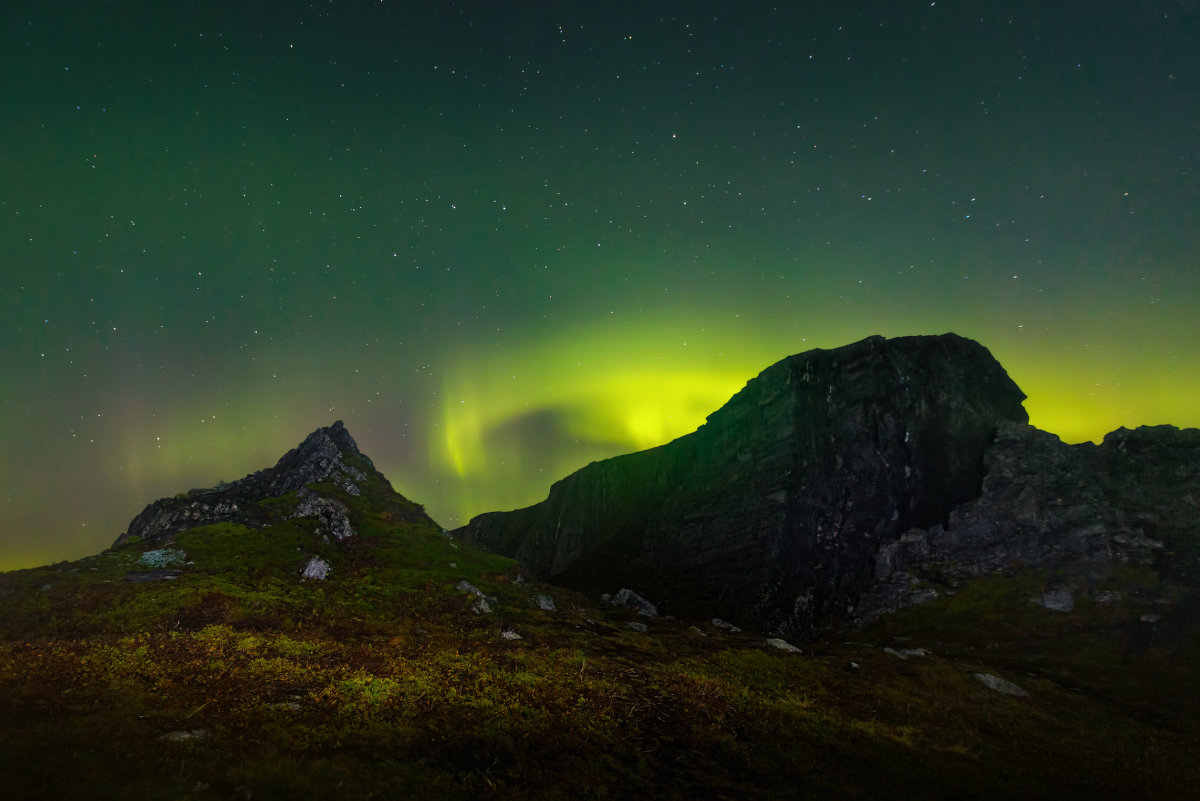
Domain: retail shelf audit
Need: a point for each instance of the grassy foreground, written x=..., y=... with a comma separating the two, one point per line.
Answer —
x=240, y=680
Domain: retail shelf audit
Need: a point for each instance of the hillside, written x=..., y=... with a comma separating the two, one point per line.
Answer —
x=333, y=641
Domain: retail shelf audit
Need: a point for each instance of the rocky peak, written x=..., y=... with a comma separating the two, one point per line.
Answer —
x=328, y=454
x=772, y=512
x=322, y=456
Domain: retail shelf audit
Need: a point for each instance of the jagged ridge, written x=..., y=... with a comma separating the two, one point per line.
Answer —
x=328, y=454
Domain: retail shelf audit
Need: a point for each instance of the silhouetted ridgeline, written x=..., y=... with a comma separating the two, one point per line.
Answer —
x=844, y=477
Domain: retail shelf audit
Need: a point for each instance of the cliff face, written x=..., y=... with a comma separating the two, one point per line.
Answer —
x=772, y=512
x=1080, y=510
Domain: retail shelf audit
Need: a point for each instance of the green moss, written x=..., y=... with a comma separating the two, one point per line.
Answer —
x=380, y=681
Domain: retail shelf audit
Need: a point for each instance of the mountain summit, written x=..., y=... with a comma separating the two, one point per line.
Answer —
x=844, y=484
x=772, y=511
x=327, y=455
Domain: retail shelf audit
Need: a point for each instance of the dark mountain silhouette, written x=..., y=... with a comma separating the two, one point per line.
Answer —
x=1024, y=612
x=326, y=455
x=838, y=477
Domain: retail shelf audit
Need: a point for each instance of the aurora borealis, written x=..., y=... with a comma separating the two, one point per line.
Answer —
x=500, y=240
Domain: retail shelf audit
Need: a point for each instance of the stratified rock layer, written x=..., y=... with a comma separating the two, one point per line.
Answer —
x=327, y=455
x=1080, y=510
x=772, y=512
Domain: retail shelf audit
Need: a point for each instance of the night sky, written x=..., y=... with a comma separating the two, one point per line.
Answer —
x=503, y=239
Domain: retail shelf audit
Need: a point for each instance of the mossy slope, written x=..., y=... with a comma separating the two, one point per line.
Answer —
x=238, y=679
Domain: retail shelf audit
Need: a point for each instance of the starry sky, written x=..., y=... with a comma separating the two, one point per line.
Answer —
x=503, y=239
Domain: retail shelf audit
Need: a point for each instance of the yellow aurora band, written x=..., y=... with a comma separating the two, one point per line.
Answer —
x=634, y=409
x=511, y=424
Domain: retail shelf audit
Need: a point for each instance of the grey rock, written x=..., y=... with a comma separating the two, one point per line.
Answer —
x=163, y=557
x=1057, y=598
x=185, y=735
x=721, y=624
x=631, y=600
x=333, y=516
x=316, y=568
x=1080, y=509
x=546, y=603
x=510, y=634
x=484, y=604
x=999, y=685
x=642, y=627
x=775, y=508
x=905, y=653
x=783, y=645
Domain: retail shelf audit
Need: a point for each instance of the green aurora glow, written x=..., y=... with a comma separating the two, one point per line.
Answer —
x=500, y=245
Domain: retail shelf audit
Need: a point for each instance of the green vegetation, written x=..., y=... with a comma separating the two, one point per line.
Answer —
x=239, y=679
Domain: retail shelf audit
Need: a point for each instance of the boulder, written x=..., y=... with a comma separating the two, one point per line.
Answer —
x=1000, y=685
x=315, y=568
x=1057, y=598
x=631, y=600
x=484, y=604
x=162, y=557
x=783, y=645
x=905, y=653
x=185, y=735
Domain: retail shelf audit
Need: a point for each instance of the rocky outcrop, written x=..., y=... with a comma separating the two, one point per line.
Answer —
x=328, y=455
x=773, y=511
x=325, y=455
x=1078, y=509
x=333, y=517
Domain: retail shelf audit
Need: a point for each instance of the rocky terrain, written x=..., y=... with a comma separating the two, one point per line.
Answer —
x=1079, y=511
x=987, y=613
x=327, y=455
x=846, y=483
